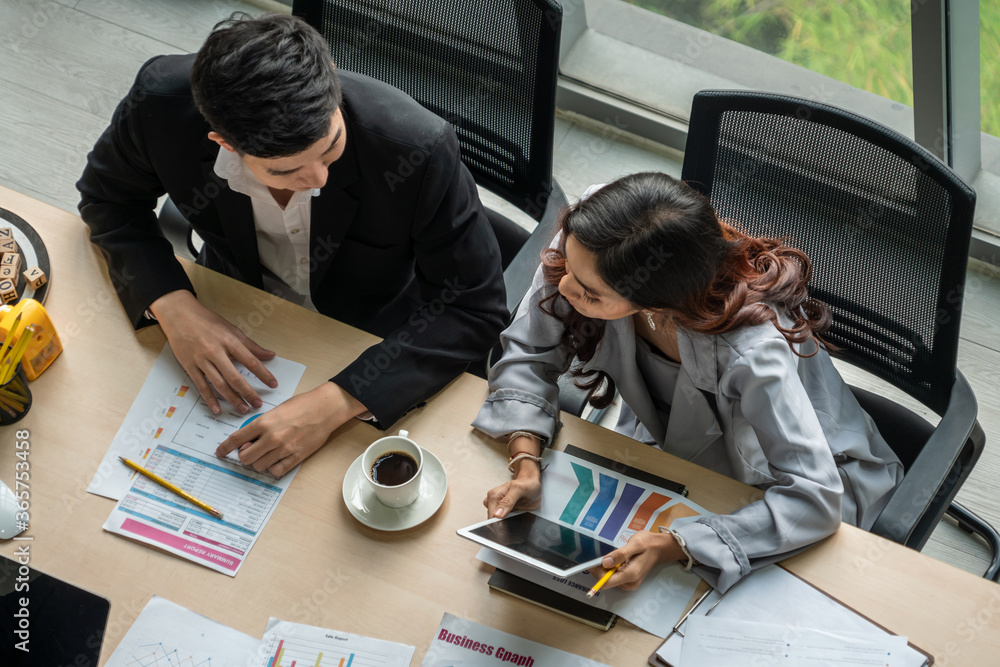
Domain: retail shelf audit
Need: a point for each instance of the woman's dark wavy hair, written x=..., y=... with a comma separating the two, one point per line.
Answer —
x=266, y=84
x=659, y=244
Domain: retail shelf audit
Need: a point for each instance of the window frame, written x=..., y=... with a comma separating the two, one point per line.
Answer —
x=945, y=117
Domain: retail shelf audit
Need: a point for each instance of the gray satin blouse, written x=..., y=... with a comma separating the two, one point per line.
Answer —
x=790, y=426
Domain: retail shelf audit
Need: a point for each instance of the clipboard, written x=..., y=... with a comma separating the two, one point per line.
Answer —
x=706, y=601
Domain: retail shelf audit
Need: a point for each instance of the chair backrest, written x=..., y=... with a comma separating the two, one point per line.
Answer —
x=886, y=225
x=487, y=66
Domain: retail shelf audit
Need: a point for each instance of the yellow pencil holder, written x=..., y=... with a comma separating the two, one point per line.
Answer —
x=15, y=398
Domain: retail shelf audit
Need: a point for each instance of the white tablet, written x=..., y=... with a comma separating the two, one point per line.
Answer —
x=547, y=545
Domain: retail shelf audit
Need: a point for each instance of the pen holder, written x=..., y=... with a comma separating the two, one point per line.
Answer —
x=15, y=398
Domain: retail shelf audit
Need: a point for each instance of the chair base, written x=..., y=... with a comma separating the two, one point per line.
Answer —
x=972, y=523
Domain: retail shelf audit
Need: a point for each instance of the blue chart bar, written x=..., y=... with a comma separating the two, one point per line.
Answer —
x=601, y=504
x=630, y=496
x=585, y=487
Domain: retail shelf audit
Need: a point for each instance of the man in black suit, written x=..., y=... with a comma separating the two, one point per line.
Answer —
x=342, y=194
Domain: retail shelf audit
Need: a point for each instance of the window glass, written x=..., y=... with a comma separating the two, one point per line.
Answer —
x=989, y=65
x=864, y=43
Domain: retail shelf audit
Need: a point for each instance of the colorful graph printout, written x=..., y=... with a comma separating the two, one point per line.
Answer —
x=614, y=507
x=595, y=499
x=288, y=644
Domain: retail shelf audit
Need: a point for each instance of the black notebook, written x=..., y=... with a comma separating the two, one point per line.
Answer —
x=505, y=582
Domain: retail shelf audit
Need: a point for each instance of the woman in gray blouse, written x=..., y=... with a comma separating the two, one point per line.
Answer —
x=711, y=339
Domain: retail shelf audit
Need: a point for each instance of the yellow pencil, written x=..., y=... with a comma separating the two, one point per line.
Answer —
x=10, y=336
x=11, y=361
x=603, y=580
x=176, y=489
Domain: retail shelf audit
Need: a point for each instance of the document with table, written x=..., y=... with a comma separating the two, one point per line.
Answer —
x=793, y=623
x=172, y=433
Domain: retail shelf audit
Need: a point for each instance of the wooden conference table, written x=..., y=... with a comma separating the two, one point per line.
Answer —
x=314, y=563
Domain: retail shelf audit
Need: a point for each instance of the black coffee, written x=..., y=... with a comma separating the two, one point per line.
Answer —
x=393, y=469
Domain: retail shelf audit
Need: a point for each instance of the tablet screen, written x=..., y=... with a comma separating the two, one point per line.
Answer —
x=546, y=541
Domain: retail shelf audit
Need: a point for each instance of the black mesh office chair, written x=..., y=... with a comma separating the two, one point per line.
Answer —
x=490, y=69
x=887, y=227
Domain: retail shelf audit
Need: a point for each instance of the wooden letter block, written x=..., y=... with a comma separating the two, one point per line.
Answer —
x=8, y=292
x=33, y=276
x=11, y=259
x=6, y=233
x=8, y=245
x=8, y=273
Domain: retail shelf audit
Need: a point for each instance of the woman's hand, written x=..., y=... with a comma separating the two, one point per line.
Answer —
x=524, y=492
x=205, y=345
x=643, y=552
x=281, y=438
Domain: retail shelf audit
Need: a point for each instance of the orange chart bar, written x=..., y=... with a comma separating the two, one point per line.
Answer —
x=646, y=509
x=669, y=515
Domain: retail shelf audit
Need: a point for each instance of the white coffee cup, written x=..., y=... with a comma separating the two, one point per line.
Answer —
x=399, y=495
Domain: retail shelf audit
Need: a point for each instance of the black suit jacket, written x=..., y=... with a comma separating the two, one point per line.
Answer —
x=400, y=244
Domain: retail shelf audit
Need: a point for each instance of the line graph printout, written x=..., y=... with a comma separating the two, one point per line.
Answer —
x=168, y=635
x=169, y=410
x=601, y=502
x=287, y=644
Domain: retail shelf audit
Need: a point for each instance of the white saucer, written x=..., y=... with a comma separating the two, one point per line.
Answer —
x=366, y=508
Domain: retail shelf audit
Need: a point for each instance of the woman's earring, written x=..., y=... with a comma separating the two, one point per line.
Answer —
x=649, y=318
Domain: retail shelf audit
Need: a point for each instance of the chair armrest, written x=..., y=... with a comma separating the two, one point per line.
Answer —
x=931, y=482
x=521, y=270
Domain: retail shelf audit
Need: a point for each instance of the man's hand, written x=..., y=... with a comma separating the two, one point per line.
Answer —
x=643, y=552
x=281, y=438
x=205, y=345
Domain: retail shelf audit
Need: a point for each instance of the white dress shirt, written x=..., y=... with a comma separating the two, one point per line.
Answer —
x=282, y=233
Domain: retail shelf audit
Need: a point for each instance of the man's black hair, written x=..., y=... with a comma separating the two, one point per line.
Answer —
x=266, y=84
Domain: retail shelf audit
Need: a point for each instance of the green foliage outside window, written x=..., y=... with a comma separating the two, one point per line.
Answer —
x=864, y=43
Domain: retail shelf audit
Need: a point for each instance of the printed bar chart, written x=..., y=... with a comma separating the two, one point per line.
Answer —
x=618, y=508
x=296, y=645
x=279, y=654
